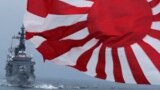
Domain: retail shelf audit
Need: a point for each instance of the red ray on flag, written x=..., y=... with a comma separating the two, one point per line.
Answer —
x=114, y=40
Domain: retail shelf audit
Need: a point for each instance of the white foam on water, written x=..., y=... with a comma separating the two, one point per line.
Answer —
x=46, y=86
x=36, y=86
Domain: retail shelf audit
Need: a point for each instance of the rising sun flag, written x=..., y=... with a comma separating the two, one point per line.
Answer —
x=114, y=40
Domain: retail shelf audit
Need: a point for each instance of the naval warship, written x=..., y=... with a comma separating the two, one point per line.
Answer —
x=19, y=66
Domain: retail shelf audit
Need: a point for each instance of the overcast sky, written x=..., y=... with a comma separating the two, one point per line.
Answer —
x=11, y=18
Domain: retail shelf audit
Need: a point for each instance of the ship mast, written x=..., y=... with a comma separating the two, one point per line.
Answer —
x=21, y=46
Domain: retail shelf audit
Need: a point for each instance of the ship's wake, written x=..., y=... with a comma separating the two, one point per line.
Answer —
x=48, y=86
x=36, y=86
x=45, y=86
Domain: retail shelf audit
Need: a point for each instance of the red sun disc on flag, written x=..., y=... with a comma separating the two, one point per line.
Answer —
x=120, y=22
x=114, y=40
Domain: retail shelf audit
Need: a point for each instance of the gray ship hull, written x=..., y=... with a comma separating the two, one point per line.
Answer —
x=20, y=71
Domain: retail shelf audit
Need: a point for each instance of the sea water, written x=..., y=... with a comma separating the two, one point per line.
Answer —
x=50, y=84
